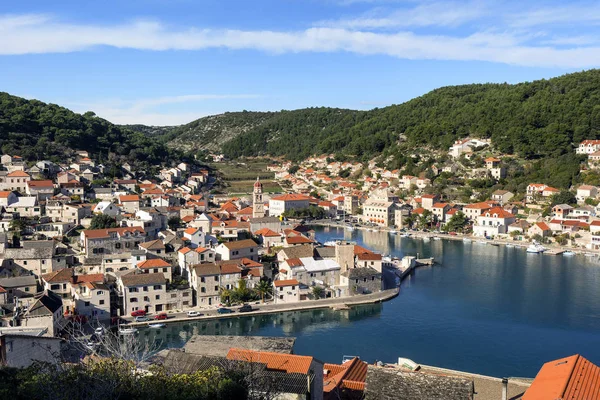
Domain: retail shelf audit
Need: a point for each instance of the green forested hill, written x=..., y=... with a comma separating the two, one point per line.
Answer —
x=37, y=130
x=536, y=119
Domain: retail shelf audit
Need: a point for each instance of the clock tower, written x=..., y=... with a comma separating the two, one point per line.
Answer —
x=258, y=207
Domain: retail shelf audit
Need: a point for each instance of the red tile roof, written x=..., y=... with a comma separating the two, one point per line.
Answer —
x=131, y=197
x=298, y=240
x=294, y=262
x=153, y=263
x=191, y=231
x=5, y=194
x=288, y=363
x=18, y=174
x=104, y=233
x=41, y=184
x=499, y=212
x=291, y=197
x=286, y=282
x=350, y=375
x=266, y=232
x=569, y=378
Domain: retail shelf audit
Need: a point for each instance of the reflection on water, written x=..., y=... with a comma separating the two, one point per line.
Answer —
x=281, y=324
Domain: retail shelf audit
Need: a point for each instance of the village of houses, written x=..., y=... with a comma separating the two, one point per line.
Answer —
x=175, y=248
x=172, y=249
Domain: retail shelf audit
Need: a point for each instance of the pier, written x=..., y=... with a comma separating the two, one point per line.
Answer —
x=403, y=267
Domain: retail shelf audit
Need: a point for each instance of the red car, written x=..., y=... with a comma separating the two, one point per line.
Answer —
x=161, y=316
x=138, y=313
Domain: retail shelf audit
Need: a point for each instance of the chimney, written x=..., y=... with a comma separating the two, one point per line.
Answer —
x=504, y=389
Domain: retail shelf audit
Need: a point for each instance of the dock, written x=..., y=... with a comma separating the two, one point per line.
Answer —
x=554, y=252
x=402, y=268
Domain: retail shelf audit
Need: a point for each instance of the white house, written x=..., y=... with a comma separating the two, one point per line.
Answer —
x=280, y=204
x=246, y=248
x=492, y=222
x=107, y=208
x=286, y=291
x=588, y=147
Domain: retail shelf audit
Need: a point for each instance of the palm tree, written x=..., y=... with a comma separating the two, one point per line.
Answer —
x=263, y=288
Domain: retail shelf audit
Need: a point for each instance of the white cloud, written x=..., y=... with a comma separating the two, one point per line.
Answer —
x=26, y=35
x=573, y=14
x=446, y=14
x=147, y=111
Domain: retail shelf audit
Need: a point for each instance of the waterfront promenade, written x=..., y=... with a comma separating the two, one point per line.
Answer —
x=268, y=308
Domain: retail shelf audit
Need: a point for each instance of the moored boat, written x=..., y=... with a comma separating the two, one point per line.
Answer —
x=536, y=248
x=157, y=325
x=127, y=331
x=467, y=240
x=568, y=253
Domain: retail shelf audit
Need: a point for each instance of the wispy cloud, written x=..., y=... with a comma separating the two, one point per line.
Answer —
x=445, y=14
x=147, y=111
x=572, y=14
x=32, y=34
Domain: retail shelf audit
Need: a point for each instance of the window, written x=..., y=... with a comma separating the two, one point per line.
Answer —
x=117, y=245
x=43, y=262
x=281, y=297
x=101, y=302
x=164, y=270
x=372, y=278
x=157, y=297
x=133, y=290
x=322, y=273
x=27, y=289
x=203, y=289
x=216, y=288
x=185, y=303
x=216, y=278
x=251, y=250
x=293, y=287
x=87, y=303
x=54, y=287
x=357, y=281
x=145, y=288
x=202, y=279
x=133, y=300
x=25, y=262
x=146, y=298
x=157, y=287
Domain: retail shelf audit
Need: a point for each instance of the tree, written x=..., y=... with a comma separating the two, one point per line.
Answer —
x=564, y=197
x=318, y=292
x=456, y=223
x=174, y=222
x=103, y=221
x=293, y=169
x=18, y=225
x=263, y=289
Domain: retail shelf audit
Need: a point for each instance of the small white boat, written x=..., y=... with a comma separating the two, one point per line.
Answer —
x=535, y=248
x=482, y=241
x=349, y=228
x=568, y=253
x=127, y=331
x=590, y=255
x=436, y=238
x=426, y=239
x=405, y=235
x=510, y=245
x=157, y=325
x=393, y=232
x=467, y=240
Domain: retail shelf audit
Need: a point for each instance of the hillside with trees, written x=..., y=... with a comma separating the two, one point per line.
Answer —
x=36, y=131
x=531, y=120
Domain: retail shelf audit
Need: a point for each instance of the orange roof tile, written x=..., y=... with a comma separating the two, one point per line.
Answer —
x=5, y=194
x=288, y=363
x=298, y=240
x=350, y=375
x=40, y=184
x=131, y=197
x=286, y=282
x=266, y=232
x=191, y=231
x=153, y=263
x=18, y=174
x=184, y=250
x=291, y=197
x=569, y=378
x=103, y=233
x=294, y=262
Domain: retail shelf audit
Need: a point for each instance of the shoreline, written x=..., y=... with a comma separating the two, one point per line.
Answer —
x=551, y=249
x=372, y=298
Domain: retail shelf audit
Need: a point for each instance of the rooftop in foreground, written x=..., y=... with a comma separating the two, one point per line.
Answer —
x=217, y=345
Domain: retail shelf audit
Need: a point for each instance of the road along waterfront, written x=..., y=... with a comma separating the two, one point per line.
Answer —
x=491, y=310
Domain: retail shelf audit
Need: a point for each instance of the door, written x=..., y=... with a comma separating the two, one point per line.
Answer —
x=210, y=301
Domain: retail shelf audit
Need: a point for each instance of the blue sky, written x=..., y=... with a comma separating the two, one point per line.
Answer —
x=164, y=62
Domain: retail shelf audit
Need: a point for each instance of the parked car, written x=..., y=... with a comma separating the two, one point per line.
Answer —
x=138, y=313
x=194, y=314
x=161, y=316
x=224, y=310
x=246, y=308
x=141, y=318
